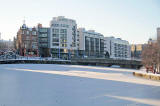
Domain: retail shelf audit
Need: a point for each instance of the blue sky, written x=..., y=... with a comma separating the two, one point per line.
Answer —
x=132, y=20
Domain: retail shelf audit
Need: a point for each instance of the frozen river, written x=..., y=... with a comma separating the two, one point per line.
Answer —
x=73, y=85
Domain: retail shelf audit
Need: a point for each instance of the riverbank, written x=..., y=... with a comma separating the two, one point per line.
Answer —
x=147, y=75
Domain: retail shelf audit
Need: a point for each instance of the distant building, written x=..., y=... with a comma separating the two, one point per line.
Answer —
x=150, y=41
x=117, y=48
x=63, y=37
x=27, y=41
x=90, y=43
x=158, y=33
x=43, y=41
x=136, y=50
x=5, y=46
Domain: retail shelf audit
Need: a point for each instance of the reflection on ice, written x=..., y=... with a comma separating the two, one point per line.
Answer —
x=98, y=75
x=138, y=100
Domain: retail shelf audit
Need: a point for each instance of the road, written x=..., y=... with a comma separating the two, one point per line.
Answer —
x=73, y=85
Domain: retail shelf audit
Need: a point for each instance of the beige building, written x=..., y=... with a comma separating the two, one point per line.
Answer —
x=136, y=50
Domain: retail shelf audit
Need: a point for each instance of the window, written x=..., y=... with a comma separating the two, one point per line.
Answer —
x=55, y=44
x=43, y=45
x=34, y=39
x=27, y=32
x=34, y=45
x=63, y=45
x=55, y=25
x=43, y=35
x=43, y=40
x=55, y=40
x=34, y=33
x=55, y=35
x=27, y=38
x=65, y=25
x=23, y=32
x=43, y=30
x=63, y=36
x=63, y=31
x=63, y=40
x=55, y=31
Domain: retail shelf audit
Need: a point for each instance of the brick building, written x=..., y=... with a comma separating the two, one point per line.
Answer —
x=27, y=41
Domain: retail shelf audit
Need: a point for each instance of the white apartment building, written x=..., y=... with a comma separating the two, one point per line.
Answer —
x=117, y=48
x=63, y=37
x=90, y=43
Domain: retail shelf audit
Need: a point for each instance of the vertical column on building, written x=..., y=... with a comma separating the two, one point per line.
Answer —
x=95, y=47
x=99, y=47
x=89, y=40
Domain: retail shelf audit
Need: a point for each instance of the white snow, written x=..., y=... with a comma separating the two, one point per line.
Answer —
x=149, y=73
x=74, y=85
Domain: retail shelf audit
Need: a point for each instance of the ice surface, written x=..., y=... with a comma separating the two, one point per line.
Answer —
x=73, y=85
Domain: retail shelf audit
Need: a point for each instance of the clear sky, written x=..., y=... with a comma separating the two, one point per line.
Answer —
x=132, y=20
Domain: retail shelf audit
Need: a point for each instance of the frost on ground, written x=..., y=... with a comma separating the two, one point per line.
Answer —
x=73, y=85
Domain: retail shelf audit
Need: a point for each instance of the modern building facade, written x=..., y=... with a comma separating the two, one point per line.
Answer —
x=27, y=41
x=43, y=41
x=117, y=48
x=90, y=43
x=63, y=37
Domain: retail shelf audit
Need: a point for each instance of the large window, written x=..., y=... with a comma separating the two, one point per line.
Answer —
x=43, y=45
x=63, y=45
x=55, y=35
x=55, y=40
x=63, y=40
x=55, y=31
x=63, y=31
x=27, y=32
x=43, y=30
x=55, y=25
x=97, y=44
x=87, y=43
x=34, y=33
x=34, y=39
x=92, y=44
x=43, y=39
x=43, y=35
x=34, y=45
x=63, y=36
x=55, y=44
x=23, y=32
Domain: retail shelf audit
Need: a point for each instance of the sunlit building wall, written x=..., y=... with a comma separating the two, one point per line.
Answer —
x=90, y=43
x=117, y=48
x=63, y=37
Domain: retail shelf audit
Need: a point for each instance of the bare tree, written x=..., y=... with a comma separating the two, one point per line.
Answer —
x=151, y=57
x=3, y=46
